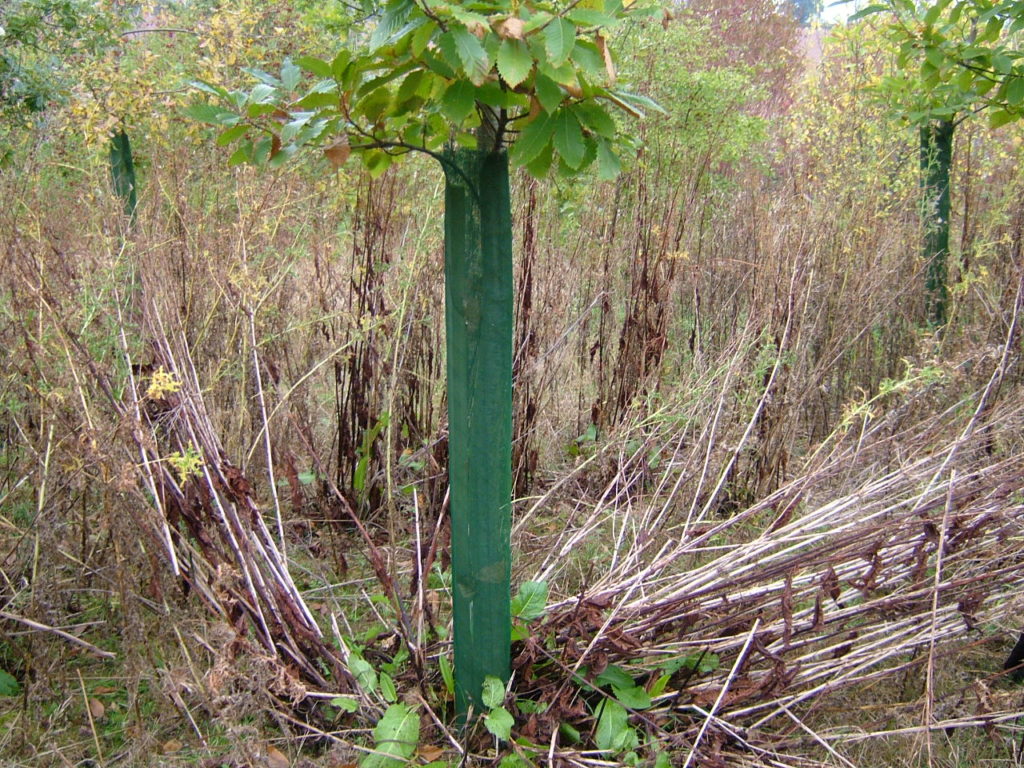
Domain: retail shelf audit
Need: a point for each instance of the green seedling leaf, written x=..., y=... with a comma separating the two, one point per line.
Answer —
x=531, y=707
x=613, y=733
x=572, y=735
x=633, y=697
x=499, y=722
x=447, y=674
x=660, y=685
x=387, y=688
x=364, y=673
x=513, y=761
x=701, y=663
x=345, y=703
x=9, y=685
x=615, y=676
x=395, y=737
x=493, y=692
x=530, y=602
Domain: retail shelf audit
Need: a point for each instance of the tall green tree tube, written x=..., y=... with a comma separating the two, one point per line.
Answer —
x=478, y=318
x=122, y=172
x=936, y=158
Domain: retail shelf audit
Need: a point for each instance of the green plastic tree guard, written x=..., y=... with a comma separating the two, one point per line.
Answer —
x=478, y=318
x=936, y=158
x=122, y=171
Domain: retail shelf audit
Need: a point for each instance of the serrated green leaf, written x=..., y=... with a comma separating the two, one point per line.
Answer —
x=396, y=15
x=290, y=75
x=9, y=685
x=548, y=92
x=261, y=150
x=867, y=11
x=1015, y=91
x=588, y=17
x=499, y=722
x=595, y=118
x=213, y=90
x=493, y=692
x=539, y=167
x=608, y=164
x=1000, y=117
x=421, y=38
x=263, y=77
x=530, y=601
x=567, y=138
x=935, y=56
x=316, y=66
x=458, y=100
x=232, y=134
x=372, y=107
x=514, y=61
x=536, y=21
x=209, y=113
x=243, y=154
x=471, y=53
x=559, y=39
x=340, y=64
x=589, y=59
x=282, y=156
x=532, y=140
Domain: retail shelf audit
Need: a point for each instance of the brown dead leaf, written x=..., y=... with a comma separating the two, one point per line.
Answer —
x=338, y=153
x=430, y=752
x=97, y=709
x=510, y=29
x=606, y=54
x=277, y=759
x=104, y=689
x=171, y=746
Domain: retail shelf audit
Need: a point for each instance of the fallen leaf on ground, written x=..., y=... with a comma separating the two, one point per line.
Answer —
x=277, y=759
x=96, y=709
x=429, y=752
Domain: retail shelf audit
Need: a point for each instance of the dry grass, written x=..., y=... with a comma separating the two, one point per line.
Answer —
x=732, y=440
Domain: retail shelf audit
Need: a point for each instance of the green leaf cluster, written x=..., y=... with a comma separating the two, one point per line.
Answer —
x=537, y=77
x=395, y=738
x=954, y=57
